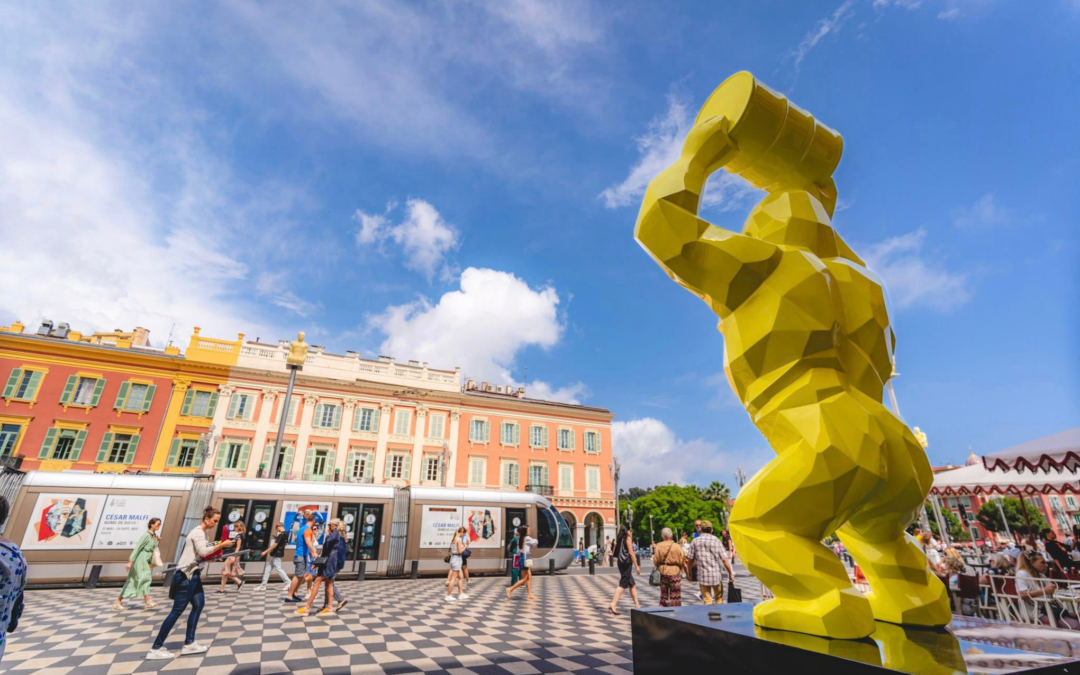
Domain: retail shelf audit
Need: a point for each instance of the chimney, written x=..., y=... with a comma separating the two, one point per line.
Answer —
x=46, y=328
x=62, y=331
x=470, y=385
x=521, y=392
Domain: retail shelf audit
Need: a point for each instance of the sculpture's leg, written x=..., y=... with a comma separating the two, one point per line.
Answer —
x=902, y=588
x=830, y=462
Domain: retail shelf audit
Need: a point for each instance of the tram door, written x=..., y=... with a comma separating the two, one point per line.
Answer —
x=514, y=519
x=257, y=515
x=363, y=528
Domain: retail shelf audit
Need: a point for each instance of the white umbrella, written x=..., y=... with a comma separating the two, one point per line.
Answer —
x=1060, y=451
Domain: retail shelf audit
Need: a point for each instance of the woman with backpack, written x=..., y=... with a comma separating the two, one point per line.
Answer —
x=627, y=562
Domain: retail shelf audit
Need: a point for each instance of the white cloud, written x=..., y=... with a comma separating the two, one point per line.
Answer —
x=659, y=148
x=985, y=212
x=482, y=327
x=651, y=454
x=906, y=4
x=949, y=14
x=275, y=288
x=424, y=237
x=826, y=26
x=912, y=279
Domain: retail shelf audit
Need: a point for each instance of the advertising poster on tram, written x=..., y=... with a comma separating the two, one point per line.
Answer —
x=438, y=524
x=291, y=516
x=63, y=522
x=484, y=526
x=124, y=520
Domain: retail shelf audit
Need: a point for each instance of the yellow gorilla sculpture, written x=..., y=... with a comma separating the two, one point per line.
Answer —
x=808, y=349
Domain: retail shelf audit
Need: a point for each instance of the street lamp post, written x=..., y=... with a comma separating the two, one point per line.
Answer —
x=294, y=362
x=208, y=441
x=614, y=466
x=651, y=538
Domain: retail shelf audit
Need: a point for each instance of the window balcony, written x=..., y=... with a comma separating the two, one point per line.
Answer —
x=543, y=490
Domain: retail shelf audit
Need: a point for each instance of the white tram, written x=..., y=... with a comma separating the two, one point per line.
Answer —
x=68, y=523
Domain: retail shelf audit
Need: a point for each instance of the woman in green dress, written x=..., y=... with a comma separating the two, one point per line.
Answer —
x=140, y=569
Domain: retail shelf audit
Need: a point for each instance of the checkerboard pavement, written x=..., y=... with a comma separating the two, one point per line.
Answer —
x=389, y=626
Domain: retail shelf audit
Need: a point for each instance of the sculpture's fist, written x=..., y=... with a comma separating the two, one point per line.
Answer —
x=709, y=145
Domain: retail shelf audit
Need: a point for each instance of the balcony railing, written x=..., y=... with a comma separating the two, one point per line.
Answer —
x=543, y=490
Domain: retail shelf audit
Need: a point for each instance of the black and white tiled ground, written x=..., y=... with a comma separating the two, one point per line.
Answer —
x=389, y=626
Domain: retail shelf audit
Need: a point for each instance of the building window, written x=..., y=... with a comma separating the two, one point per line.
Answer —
x=479, y=431
x=398, y=466
x=183, y=453
x=241, y=407
x=431, y=468
x=118, y=448
x=62, y=444
x=23, y=384
x=285, y=460
x=565, y=439
x=135, y=397
x=437, y=426
x=538, y=436
x=232, y=456
x=511, y=474
x=366, y=419
x=402, y=422
x=592, y=480
x=965, y=501
x=199, y=403
x=1071, y=501
x=592, y=442
x=327, y=416
x=82, y=391
x=477, y=471
x=318, y=467
x=566, y=480
x=510, y=433
x=975, y=533
x=359, y=468
x=9, y=436
x=118, y=451
x=538, y=475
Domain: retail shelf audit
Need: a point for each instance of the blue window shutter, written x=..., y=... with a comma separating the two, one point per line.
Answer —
x=212, y=405
x=245, y=451
x=129, y=457
x=76, y=450
x=47, y=444
x=103, y=449
x=121, y=395
x=174, y=451
x=99, y=387
x=185, y=410
x=69, y=387
x=13, y=381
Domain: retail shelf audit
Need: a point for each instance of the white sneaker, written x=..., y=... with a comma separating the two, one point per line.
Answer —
x=451, y=598
x=260, y=588
x=193, y=648
x=463, y=596
x=160, y=654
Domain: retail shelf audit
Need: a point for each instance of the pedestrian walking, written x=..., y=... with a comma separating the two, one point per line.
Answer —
x=669, y=561
x=457, y=547
x=187, y=589
x=628, y=564
x=513, y=550
x=232, y=568
x=327, y=566
x=607, y=550
x=12, y=581
x=465, y=563
x=525, y=546
x=140, y=568
x=302, y=557
x=273, y=556
x=709, y=554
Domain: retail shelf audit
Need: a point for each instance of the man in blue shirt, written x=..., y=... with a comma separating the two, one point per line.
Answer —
x=302, y=557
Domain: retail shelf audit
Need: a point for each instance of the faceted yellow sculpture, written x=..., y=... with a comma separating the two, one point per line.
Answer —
x=808, y=349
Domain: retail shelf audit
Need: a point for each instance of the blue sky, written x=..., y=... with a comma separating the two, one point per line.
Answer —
x=458, y=183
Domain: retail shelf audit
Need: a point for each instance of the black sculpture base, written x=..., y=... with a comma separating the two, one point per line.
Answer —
x=724, y=639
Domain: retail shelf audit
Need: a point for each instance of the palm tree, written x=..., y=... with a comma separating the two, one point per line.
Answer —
x=717, y=492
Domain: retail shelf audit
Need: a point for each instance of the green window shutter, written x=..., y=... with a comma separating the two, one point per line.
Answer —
x=35, y=382
x=487, y=431
x=222, y=453
x=287, y=459
x=369, y=467
x=357, y=415
x=174, y=450
x=406, y=467
x=517, y=434
x=99, y=387
x=212, y=405
x=544, y=435
x=189, y=397
x=129, y=457
x=349, y=463
x=309, y=463
x=249, y=409
x=149, y=397
x=234, y=401
x=76, y=450
x=337, y=417
x=245, y=451
x=121, y=395
x=13, y=381
x=573, y=438
x=69, y=387
x=318, y=415
x=47, y=444
x=331, y=460
x=375, y=417
x=103, y=449
x=387, y=464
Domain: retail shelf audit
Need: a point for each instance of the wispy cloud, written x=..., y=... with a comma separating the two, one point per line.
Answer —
x=985, y=212
x=829, y=25
x=914, y=279
x=949, y=14
x=424, y=237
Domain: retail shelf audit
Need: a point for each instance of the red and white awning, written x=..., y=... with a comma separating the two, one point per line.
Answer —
x=1060, y=451
x=977, y=479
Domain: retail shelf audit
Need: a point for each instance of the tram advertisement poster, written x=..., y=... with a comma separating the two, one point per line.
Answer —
x=484, y=526
x=438, y=524
x=291, y=516
x=124, y=520
x=63, y=521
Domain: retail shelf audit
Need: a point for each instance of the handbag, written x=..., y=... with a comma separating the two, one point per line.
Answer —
x=16, y=613
x=733, y=594
x=155, y=558
x=654, y=578
x=466, y=553
x=528, y=563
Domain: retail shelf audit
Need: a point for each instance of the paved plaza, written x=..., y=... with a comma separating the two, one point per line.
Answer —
x=389, y=626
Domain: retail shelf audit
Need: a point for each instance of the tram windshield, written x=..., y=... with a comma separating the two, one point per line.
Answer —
x=566, y=538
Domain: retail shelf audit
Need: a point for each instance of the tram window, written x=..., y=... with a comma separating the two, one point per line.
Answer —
x=566, y=539
x=547, y=530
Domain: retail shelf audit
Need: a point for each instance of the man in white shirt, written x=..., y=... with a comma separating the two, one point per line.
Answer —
x=187, y=581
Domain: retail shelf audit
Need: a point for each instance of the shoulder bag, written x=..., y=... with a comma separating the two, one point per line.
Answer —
x=654, y=578
x=155, y=557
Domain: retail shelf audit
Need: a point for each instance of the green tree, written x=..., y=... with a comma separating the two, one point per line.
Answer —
x=717, y=492
x=990, y=517
x=957, y=531
x=673, y=506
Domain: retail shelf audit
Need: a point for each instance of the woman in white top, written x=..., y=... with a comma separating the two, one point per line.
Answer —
x=525, y=546
x=457, y=547
x=1037, y=592
x=12, y=579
